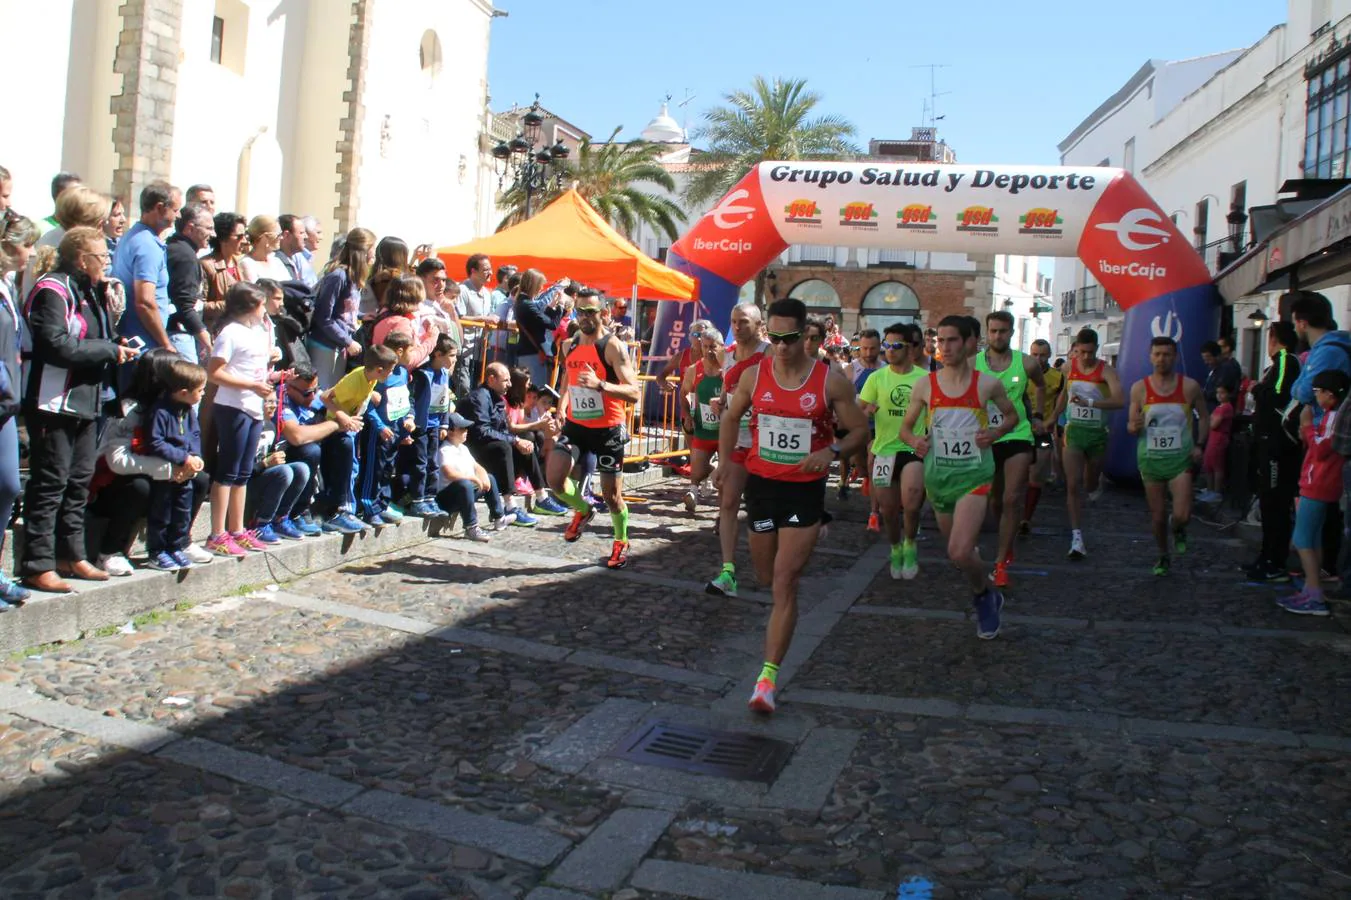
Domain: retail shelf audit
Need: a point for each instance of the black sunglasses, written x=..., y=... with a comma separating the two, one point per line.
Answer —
x=788, y=337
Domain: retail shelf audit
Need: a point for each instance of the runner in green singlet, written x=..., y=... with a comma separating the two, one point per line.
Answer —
x=1163, y=407
x=1013, y=453
x=958, y=463
x=1093, y=389
x=703, y=382
x=897, y=473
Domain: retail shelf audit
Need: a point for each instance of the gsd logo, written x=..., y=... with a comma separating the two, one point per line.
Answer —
x=802, y=212
x=978, y=220
x=858, y=215
x=1041, y=222
x=917, y=217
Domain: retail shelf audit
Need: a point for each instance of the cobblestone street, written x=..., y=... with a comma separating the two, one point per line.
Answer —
x=440, y=723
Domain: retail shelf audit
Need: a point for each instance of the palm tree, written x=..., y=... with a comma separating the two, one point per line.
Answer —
x=607, y=175
x=770, y=121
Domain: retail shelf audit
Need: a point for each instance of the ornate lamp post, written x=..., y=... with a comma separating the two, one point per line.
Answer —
x=522, y=165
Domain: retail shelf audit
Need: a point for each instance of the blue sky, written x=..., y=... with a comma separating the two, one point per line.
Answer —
x=1020, y=73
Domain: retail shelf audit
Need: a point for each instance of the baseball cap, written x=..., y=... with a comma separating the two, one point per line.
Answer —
x=455, y=420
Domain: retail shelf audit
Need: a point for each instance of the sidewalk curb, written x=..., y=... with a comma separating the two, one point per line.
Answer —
x=51, y=618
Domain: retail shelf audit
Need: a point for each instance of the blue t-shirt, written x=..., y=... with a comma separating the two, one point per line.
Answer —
x=395, y=403
x=300, y=413
x=141, y=256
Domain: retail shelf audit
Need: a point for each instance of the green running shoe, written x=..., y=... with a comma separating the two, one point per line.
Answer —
x=909, y=560
x=723, y=586
x=897, y=557
x=1180, y=541
x=1161, y=567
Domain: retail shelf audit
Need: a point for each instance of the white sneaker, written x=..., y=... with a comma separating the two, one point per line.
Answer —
x=199, y=555
x=691, y=502
x=507, y=519
x=115, y=565
x=1077, y=549
x=475, y=534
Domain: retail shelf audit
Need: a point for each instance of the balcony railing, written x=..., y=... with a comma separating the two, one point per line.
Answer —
x=817, y=253
x=1085, y=302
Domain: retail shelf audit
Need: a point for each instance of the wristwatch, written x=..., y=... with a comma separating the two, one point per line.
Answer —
x=835, y=448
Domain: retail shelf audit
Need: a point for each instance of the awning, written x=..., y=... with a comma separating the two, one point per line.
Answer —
x=1268, y=265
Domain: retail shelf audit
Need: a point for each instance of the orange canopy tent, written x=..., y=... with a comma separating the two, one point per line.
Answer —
x=569, y=239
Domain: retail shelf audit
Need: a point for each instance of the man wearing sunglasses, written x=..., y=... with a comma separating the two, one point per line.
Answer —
x=1013, y=453
x=795, y=402
x=897, y=473
x=958, y=463
x=600, y=383
x=747, y=351
x=323, y=444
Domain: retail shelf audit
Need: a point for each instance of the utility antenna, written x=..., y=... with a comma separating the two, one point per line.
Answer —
x=931, y=116
x=685, y=105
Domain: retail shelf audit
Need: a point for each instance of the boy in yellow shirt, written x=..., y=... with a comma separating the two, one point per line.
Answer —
x=346, y=402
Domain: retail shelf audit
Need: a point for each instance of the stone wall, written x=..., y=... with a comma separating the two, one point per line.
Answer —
x=350, y=128
x=147, y=59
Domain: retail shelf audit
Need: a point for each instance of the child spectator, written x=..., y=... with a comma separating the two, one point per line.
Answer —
x=389, y=425
x=347, y=402
x=173, y=435
x=461, y=480
x=1320, y=489
x=529, y=467
x=1217, y=447
x=239, y=368
x=429, y=386
x=403, y=302
x=277, y=485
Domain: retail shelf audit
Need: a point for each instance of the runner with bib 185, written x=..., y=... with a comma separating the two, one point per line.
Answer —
x=1163, y=406
x=897, y=473
x=958, y=463
x=794, y=402
x=1094, y=389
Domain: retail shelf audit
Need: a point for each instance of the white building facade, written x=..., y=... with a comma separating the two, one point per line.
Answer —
x=361, y=112
x=1214, y=137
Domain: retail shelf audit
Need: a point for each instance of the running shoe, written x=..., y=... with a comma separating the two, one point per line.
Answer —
x=12, y=593
x=1001, y=574
x=164, y=561
x=375, y=520
x=988, y=606
x=263, y=534
x=476, y=534
x=909, y=560
x=762, y=698
x=1304, y=604
x=307, y=526
x=344, y=523
x=1179, y=541
x=578, y=524
x=181, y=557
x=392, y=514
x=722, y=586
x=524, y=519
x=867, y=487
x=115, y=564
x=691, y=502
x=248, y=540
x=223, y=544
x=1077, y=549
x=681, y=471
x=551, y=507
x=1024, y=528
x=504, y=520
x=285, y=528
x=619, y=555
x=897, y=559
x=1161, y=567
x=1264, y=572
x=198, y=556
x=874, y=523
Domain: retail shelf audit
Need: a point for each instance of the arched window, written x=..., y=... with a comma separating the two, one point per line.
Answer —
x=818, y=295
x=889, y=302
x=429, y=54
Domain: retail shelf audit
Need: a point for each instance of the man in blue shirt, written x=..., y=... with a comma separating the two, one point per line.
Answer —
x=322, y=444
x=141, y=265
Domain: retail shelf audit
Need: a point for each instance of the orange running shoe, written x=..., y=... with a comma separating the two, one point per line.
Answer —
x=874, y=524
x=578, y=524
x=762, y=699
x=1001, y=574
x=619, y=555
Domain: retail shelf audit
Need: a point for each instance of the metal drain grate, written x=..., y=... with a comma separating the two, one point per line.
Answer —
x=702, y=751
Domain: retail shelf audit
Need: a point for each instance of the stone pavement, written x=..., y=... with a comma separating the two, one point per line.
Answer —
x=439, y=722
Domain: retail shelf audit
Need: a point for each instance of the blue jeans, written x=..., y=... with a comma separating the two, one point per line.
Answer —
x=459, y=496
x=185, y=344
x=276, y=492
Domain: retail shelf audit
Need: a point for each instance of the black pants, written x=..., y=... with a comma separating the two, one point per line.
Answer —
x=499, y=459
x=62, y=452
x=126, y=500
x=1278, y=463
x=416, y=467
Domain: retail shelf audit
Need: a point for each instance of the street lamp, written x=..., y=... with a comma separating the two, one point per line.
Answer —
x=1237, y=218
x=530, y=169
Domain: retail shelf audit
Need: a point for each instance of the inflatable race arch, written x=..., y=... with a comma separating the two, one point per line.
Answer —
x=1101, y=215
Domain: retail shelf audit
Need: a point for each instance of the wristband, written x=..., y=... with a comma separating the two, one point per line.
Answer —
x=1092, y=402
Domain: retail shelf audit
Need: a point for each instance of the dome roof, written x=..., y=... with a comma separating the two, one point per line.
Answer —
x=664, y=129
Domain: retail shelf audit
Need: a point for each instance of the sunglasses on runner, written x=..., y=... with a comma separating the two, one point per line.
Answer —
x=894, y=345
x=587, y=310
x=788, y=337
